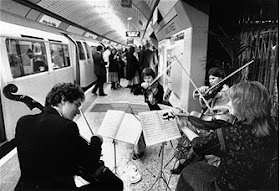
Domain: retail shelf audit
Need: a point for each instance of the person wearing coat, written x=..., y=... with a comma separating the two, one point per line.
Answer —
x=51, y=151
x=100, y=71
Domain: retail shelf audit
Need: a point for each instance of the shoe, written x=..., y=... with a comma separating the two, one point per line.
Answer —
x=102, y=94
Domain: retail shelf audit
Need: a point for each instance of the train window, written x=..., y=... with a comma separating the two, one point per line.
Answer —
x=26, y=57
x=87, y=50
x=60, y=55
x=81, y=51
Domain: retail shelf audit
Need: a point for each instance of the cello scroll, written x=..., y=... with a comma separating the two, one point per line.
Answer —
x=10, y=90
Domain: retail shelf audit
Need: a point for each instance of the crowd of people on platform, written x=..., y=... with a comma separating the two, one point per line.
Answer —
x=233, y=154
x=124, y=67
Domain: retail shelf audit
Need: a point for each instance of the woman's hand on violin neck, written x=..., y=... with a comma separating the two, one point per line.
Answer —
x=201, y=90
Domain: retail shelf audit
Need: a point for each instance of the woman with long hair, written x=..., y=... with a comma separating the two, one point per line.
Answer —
x=245, y=147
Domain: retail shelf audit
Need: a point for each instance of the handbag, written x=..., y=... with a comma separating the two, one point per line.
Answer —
x=124, y=82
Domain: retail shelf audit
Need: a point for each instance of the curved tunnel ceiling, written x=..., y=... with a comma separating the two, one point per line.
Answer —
x=105, y=18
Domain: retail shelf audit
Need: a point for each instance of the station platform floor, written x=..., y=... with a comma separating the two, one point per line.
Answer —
x=94, y=109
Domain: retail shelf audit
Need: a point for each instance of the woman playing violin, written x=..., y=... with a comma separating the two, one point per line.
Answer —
x=153, y=94
x=153, y=91
x=214, y=96
x=246, y=147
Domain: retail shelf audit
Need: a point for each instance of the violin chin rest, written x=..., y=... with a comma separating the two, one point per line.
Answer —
x=207, y=125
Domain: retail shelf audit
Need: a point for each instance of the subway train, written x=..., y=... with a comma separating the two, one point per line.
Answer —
x=34, y=57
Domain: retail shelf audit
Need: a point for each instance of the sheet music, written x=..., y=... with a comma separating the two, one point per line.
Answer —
x=111, y=123
x=151, y=127
x=121, y=126
x=169, y=127
x=130, y=129
x=156, y=129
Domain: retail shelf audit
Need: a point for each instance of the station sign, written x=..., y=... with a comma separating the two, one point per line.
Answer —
x=132, y=33
x=45, y=19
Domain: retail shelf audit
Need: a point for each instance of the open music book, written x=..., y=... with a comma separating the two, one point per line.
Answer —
x=120, y=126
x=158, y=127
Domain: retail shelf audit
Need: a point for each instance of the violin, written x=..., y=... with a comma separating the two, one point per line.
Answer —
x=207, y=121
x=213, y=121
x=151, y=92
x=211, y=93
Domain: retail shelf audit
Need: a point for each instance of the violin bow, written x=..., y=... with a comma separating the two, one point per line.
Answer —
x=86, y=121
x=241, y=68
x=206, y=102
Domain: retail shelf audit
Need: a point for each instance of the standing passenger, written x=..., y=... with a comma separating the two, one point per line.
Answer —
x=121, y=66
x=51, y=150
x=132, y=69
x=100, y=71
x=106, y=55
x=113, y=69
x=147, y=58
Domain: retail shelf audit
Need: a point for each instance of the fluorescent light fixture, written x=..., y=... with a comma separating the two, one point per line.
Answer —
x=129, y=18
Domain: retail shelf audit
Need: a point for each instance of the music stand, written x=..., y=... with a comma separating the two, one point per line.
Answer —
x=161, y=174
x=115, y=158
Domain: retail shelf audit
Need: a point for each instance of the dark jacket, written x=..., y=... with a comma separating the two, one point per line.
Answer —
x=49, y=151
x=99, y=64
x=147, y=59
x=113, y=63
x=132, y=65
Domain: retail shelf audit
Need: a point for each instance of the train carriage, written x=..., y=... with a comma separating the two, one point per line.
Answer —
x=34, y=57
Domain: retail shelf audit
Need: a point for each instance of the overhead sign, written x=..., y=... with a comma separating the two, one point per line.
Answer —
x=49, y=21
x=132, y=33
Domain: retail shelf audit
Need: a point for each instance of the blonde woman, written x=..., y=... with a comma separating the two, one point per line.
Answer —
x=245, y=148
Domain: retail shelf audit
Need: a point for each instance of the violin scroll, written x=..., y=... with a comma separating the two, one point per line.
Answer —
x=10, y=90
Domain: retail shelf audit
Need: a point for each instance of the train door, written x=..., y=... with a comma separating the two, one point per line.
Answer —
x=85, y=64
x=89, y=72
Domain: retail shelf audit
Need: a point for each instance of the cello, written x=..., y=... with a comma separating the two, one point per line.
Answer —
x=10, y=90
